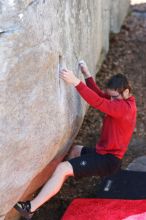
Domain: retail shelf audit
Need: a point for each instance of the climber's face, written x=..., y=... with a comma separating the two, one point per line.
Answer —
x=114, y=94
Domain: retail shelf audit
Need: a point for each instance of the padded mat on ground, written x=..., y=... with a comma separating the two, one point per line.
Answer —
x=106, y=209
x=123, y=185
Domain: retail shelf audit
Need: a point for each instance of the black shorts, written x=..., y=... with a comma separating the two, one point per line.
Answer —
x=92, y=164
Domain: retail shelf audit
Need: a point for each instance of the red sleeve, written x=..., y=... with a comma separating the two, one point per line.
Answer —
x=114, y=108
x=92, y=85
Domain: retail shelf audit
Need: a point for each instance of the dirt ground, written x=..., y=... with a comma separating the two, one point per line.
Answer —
x=127, y=54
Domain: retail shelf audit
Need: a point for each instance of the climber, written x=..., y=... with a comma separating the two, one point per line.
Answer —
x=119, y=107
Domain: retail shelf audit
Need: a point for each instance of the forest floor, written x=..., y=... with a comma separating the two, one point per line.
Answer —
x=127, y=54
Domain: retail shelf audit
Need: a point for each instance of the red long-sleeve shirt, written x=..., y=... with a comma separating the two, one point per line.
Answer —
x=119, y=121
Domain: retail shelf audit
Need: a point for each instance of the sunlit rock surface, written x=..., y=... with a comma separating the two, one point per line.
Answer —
x=39, y=114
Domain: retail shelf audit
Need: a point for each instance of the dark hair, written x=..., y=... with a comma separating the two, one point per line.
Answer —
x=119, y=83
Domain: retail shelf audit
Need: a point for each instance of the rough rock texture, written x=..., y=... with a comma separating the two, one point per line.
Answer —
x=39, y=114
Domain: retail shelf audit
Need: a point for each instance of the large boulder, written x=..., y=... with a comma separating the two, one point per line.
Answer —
x=119, y=10
x=39, y=114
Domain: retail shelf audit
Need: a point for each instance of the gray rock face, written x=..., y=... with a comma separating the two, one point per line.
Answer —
x=39, y=114
x=119, y=10
x=139, y=164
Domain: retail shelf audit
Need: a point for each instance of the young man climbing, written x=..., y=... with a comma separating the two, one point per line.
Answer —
x=118, y=125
